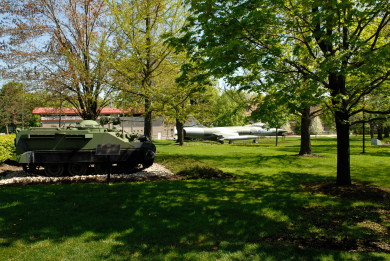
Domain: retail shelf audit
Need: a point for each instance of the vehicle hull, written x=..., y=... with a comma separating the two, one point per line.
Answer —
x=76, y=148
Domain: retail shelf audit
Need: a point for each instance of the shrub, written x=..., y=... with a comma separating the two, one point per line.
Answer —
x=7, y=147
x=190, y=168
x=203, y=172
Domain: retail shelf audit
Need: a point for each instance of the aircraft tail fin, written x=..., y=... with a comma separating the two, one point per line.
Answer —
x=192, y=122
x=257, y=124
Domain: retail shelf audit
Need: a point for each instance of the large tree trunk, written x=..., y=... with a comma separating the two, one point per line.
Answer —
x=372, y=127
x=305, y=132
x=380, y=131
x=89, y=114
x=180, y=132
x=386, y=132
x=343, y=150
x=148, y=125
x=146, y=82
x=337, y=84
x=148, y=120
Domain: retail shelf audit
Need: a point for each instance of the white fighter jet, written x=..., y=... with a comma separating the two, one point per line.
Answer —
x=232, y=133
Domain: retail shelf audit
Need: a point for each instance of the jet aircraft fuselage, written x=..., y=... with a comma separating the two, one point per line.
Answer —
x=231, y=133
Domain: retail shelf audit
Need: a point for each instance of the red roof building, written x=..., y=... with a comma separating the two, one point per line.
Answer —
x=54, y=117
x=72, y=111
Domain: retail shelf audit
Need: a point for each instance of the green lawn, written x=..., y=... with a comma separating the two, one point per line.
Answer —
x=276, y=208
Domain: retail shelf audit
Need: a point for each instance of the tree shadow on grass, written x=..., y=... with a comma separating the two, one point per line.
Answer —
x=378, y=152
x=317, y=149
x=170, y=220
x=234, y=160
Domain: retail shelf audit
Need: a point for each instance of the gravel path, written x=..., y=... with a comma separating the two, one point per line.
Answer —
x=11, y=176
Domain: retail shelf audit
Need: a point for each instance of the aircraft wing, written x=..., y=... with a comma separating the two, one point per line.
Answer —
x=222, y=133
x=230, y=135
x=240, y=137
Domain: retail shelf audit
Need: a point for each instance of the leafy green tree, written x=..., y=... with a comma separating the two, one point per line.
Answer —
x=377, y=102
x=16, y=106
x=139, y=56
x=10, y=98
x=231, y=108
x=59, y=45
x=324, y=41
x=374, y=110
x=292, y=94
x=272, y=112
x=184, y=101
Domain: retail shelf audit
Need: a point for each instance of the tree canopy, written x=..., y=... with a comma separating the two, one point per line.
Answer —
x=144, y=64
x=231, y=107
x=59, y=45
x=326, y=42
x=16, y=106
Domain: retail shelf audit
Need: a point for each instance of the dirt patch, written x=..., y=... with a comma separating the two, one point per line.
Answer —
x=355, y=191
x=370, y=220
x=7, y=167
x=308, y=155
x=342, y=244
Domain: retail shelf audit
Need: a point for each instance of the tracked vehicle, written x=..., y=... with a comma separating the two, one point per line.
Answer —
x=72, y=150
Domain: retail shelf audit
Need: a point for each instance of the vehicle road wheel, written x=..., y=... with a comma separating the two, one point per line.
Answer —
x=102, y=168
x=77, y=168
x=148, y=159
x=54, y=170
x=128, y=167
x=30, y=168
x=147, y=163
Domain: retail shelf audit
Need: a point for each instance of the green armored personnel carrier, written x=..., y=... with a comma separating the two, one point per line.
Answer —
x=72, y=150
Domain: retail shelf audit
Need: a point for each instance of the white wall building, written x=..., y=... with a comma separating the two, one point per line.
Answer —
x=52, y=117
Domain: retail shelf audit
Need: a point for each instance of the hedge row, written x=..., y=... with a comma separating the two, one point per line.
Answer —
x=7, y=147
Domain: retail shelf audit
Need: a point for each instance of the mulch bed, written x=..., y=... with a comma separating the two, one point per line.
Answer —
x=356, y=191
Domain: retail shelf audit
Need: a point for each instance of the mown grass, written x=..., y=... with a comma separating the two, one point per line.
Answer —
x=273, y=209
